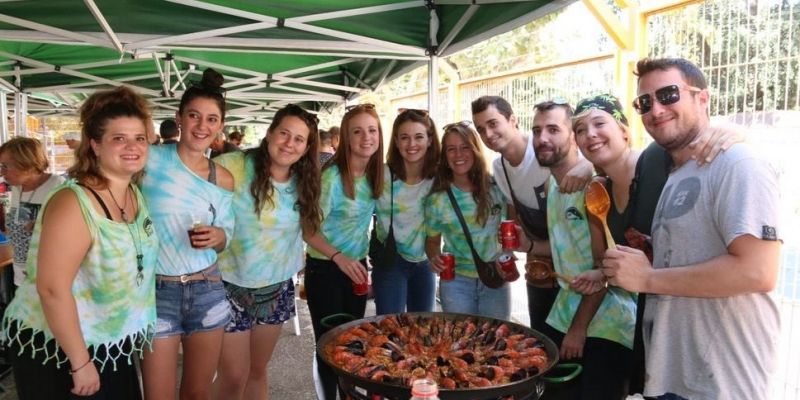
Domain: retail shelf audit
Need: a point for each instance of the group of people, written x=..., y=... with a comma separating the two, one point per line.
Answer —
x=145, y=248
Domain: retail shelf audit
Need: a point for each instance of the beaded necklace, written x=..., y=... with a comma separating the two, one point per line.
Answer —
x=137, y=240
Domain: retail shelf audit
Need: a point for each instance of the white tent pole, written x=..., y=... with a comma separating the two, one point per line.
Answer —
x=3, y=117
x=58, y=32
x=98, y=16
x=458, y=27
x=433, y=64
x=20, y=114
x=433, y=85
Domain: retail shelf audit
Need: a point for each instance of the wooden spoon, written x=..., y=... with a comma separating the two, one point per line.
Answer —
x=541, y=270
x=598, y=203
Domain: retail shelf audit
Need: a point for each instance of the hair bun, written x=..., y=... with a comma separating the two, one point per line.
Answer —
x=212, y=79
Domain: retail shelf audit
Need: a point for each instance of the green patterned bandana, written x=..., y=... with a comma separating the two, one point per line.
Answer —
x=605, y=102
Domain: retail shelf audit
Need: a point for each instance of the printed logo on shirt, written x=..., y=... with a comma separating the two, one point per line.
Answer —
x=769, y=233
x=148, y=226
x=683, y=198
x=572, y=214
x=496, y=209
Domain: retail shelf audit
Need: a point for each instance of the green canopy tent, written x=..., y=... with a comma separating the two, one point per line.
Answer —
x=315, y=53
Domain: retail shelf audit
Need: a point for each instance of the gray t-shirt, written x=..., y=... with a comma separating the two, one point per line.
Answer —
x=712, y=348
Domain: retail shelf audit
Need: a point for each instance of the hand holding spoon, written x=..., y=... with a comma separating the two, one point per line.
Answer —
x=541, y=270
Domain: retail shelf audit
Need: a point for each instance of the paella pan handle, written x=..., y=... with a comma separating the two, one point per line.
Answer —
x=334, y=320
x=576, y=370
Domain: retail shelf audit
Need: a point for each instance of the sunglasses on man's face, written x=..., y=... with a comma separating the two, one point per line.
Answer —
x=665, y=96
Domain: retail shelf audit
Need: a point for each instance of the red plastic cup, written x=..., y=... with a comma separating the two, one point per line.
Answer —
x=361, y=289
x=192, y=234
x=449, y=271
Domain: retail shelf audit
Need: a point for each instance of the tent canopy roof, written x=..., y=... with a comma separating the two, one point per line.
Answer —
x=310, y=52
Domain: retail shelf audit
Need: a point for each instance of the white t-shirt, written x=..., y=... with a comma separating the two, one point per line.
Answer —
x=23, y=210
x=525, y=177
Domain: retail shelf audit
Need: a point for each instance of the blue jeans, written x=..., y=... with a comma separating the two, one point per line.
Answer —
x=470, y=296
x=403, y=286
x=197, y=306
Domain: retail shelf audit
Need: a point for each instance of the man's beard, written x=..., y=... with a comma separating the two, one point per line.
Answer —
x=553, y=159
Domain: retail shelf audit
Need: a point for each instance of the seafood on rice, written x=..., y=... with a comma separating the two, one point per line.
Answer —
x=456, y=353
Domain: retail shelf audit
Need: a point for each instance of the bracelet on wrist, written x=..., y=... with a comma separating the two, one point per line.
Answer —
x=335, y=254
x=72, y=371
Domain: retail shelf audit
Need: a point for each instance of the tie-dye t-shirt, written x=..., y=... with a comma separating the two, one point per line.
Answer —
x=112, y=306
x=345, y=223
x=266, y=249
x=441, y=219
x=571, y=245
x=408, y=214
x=174, y=193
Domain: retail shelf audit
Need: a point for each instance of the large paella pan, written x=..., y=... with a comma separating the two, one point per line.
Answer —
x=470, y=357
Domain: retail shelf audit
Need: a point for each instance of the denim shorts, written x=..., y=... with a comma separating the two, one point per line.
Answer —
x=470, y=296
x=270, y=305
x=186, y=308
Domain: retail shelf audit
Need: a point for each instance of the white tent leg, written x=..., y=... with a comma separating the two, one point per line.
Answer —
x=20, y=114
x=433, y=87
x=433, y=64
x=3, y=117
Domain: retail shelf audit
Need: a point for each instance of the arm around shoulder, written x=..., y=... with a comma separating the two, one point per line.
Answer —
x=224, y=178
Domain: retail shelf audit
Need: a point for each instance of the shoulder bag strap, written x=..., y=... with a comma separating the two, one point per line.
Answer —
x=508, y=181
x=391, y=201
x=464, y=227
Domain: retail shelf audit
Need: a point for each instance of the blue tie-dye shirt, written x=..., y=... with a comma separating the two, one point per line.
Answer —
x=173, y=192
x=345, y=223
x=408, y=215
x=268, y=248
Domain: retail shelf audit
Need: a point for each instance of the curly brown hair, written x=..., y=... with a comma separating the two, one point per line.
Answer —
x=478, y=175
x=306, y=170
x=95, y=113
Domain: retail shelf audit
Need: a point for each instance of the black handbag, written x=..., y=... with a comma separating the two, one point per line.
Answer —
x=383, y=253
x=487, y=271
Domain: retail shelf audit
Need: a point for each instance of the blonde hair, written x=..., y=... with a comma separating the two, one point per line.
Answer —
x=27, y=153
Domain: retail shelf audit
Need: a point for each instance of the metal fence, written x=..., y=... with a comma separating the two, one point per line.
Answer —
x=570, y=80
x=750, y=54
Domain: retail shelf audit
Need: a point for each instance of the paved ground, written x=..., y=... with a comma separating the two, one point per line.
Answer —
x=290, y=370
